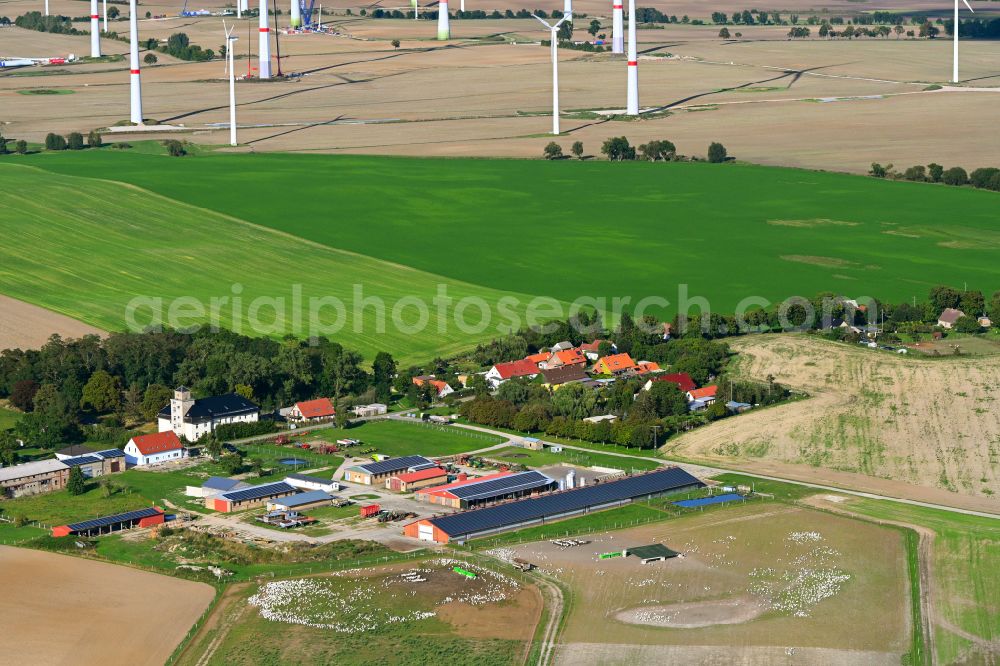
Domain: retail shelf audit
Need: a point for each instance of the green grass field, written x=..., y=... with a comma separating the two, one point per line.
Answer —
x=400, y=438
x=8, y=417
x=560, y=229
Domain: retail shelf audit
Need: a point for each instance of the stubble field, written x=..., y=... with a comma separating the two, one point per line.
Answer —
x=905, y=426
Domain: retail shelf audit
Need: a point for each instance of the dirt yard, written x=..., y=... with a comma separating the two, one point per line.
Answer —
x=753, y=580
x=27, y=326
x=927, y=429
x=61, y=610
x=487, y=91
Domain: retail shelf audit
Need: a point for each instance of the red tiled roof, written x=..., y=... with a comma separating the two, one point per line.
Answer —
x=422, y=474
x=681, y=379
x=570, y=356
x=439, y=490
x=316, y=409
x=648, y=366
x=158, y=442
x=520, y=368
x=707, y=392
x=617, y=362
x=537, y=358
x=591, y=346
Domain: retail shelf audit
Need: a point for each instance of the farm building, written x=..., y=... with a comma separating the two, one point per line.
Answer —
x=705, y=395
x=98, y=463
x=442, y=494
x=555, y=506
x=301, y=501
x=116, y=523
x=488, y=490
x=949, y=316
x=33, y=478
x=375, y=473
x=214, y=485
x=407, y=482
x=306, y=482
x=152, y=449
x=374, y=409
x=312, y=410
x=190, y=418
x=249, y=497
x=73, y=451
x=532, y=443
x=573, y=476
x=654, y=552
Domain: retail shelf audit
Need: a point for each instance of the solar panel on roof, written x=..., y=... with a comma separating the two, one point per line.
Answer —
x=395, y=464
x=502, y=486
x=112, y=520
x=80, y=460
x=258, y=492
x=481, y=520
x=110, y=453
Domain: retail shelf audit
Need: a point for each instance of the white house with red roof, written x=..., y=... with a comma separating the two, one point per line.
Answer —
x=313, y=410
x=705, y=395
x=441, y=387
x=682, y=380
x=153, y=449
x=501, y=372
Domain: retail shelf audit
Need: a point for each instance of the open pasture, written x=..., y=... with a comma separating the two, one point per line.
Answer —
x=55, y=606
x=401, y=438
x=903, y=426
x=402, y=614
x=752, y=578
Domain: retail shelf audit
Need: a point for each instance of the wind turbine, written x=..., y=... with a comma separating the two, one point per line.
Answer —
x=617, y=33
x=296, y=19
x=135, y=87
x=954, y=70
x=95, y=31
x=104, y=7
x=632, y=104
x=553, y=30
x=264, y=51
x=444, y=27
x=230, y=38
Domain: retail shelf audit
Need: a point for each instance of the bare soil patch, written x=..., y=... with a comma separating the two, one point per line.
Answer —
x=693, y=615
x=27, y=326
x=61, y=609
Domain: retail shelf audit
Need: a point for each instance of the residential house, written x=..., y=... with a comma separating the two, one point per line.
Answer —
x=682, y=380
x=617, y=365
x=563, y=358
x=441, y=388
x=590, y=349
x=158, y=447
x=539, y=358
x=646, y=367
x=985, y=321
x=561, y=376
x=501, y=372
x=706, y=394
x=191, y=419
x=313, y=410
x=561, y=346
x=949, y=317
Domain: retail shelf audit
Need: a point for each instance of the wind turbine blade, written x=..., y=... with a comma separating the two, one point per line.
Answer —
x=969, y=6
x=542, y=22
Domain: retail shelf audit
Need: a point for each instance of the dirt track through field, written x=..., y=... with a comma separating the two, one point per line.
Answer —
x=66, y=610
x=922, y=429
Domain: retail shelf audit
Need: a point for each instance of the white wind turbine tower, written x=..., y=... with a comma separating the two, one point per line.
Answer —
x=230, y=38
x=617, y=32
x=444, y=27
x=954, y=66
x=264, y=51
x=135, y=87
x=95, y=31
x=104, y=7
x=553, y=31
x=632, y=105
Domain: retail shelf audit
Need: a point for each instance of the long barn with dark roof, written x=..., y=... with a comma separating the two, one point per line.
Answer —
x=551, y=507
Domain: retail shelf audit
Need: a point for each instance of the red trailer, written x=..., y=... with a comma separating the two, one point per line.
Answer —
x=370, y=510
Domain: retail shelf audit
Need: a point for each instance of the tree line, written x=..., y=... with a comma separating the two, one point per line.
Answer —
x=618, y=149
x=985, y=178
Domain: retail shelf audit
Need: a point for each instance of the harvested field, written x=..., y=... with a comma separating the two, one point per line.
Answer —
x=751, y=579
x=486, y=92
x=921, y=428
x=27, y=326
x=61, y=609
